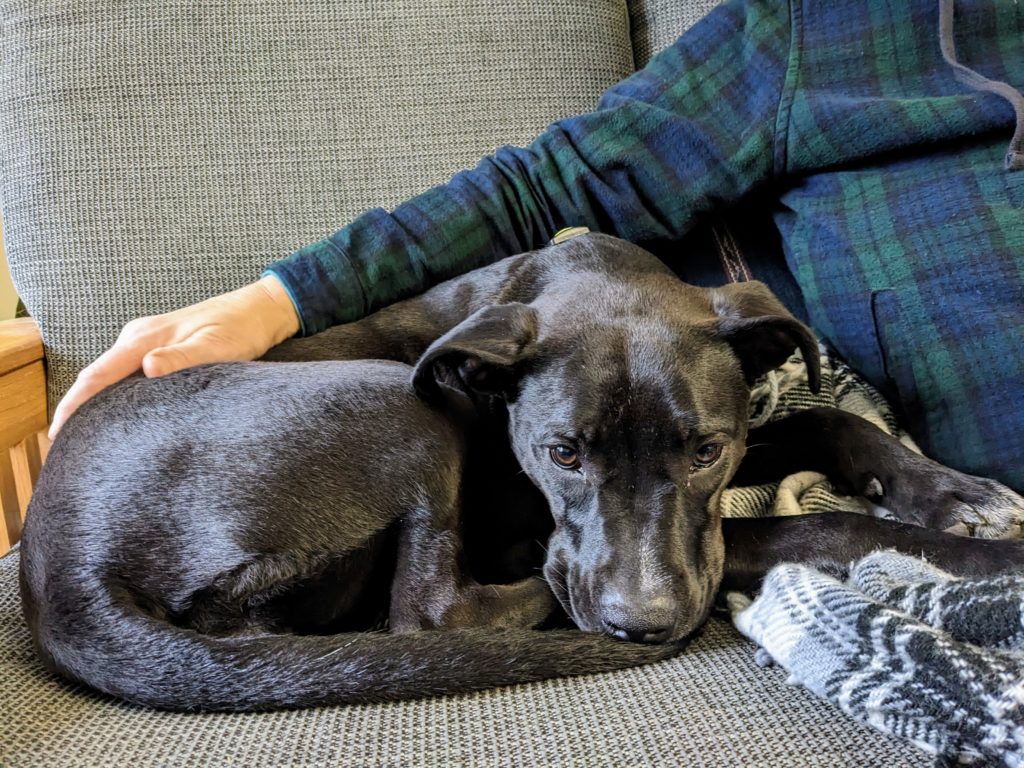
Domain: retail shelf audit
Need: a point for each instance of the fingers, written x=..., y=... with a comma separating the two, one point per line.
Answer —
x=113, y=365
x=123, y=359
x=165, y=360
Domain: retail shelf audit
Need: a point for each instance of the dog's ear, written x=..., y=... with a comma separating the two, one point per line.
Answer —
x=761, y=331
x=485, y=353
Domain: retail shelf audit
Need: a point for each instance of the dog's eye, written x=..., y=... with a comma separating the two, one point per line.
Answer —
x=565, y=456
x=707, y=455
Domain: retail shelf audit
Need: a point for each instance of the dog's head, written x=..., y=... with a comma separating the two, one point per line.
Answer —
x=627, y=395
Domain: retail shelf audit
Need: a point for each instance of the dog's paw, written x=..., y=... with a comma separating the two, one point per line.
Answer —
x=985, y=509
x=928, y=494
x=522, y=604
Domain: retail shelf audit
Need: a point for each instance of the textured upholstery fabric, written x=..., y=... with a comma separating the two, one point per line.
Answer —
x=656, y=24
x=153, y=154
x=711, y=706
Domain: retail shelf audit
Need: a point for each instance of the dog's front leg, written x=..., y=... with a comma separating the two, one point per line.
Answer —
x=831, y=541
x=862, y=460
x=431, y=589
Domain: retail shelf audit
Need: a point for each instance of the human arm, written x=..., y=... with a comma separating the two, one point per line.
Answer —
x=691, y=132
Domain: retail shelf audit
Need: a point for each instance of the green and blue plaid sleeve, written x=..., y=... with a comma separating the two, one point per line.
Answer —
x=693, y=130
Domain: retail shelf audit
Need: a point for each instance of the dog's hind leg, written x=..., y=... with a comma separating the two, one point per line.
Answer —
x=432, y=588
x=862, y=460
x=298, y=592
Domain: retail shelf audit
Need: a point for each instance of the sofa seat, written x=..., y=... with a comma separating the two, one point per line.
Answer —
x=710, y=706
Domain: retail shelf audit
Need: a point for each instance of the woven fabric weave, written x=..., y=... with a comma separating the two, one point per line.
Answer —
x=656, y=24
x=709, y=707
x=154, y=154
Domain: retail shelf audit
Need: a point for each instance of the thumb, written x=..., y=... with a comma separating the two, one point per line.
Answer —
x=164, y=360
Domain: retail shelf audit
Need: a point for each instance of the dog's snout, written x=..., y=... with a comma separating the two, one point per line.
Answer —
x=644, y=635
x=649, y=620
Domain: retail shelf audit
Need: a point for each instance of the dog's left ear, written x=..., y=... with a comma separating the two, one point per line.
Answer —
x=761, y=331
x=485, y=353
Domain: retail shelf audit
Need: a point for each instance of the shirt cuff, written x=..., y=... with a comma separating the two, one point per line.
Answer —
x=322, y=284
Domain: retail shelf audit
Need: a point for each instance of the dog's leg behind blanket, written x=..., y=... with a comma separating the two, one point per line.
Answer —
x=862, y=460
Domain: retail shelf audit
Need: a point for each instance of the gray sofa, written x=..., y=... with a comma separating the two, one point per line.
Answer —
x=154, y=153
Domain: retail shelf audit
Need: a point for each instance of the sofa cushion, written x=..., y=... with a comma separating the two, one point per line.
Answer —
x=153, y=154
x=656, y=24
x=711, y=706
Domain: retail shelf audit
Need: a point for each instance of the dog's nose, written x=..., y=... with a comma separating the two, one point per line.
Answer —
x=641, y=621
x=643, y=635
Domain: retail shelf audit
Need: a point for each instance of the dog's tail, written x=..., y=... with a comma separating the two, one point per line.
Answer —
x=126, y=652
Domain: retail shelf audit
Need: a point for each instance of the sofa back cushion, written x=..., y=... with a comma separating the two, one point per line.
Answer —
x=656, y=24
x=153, y=154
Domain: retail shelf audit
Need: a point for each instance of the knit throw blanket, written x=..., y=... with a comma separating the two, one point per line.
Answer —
x=902, y=645
x=785, y=391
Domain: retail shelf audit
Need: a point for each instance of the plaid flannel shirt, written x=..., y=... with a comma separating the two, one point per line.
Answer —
x=888, y=175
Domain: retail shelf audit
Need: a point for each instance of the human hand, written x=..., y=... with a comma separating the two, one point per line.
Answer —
x=240, y=325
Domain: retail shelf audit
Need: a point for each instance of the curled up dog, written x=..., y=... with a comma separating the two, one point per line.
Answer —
x=223, y=538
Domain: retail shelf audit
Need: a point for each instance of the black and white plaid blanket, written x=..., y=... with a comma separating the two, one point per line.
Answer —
x=784, y=391
x=901, y=645
x=904, y=647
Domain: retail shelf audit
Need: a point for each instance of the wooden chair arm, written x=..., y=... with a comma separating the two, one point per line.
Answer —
x=23, y=421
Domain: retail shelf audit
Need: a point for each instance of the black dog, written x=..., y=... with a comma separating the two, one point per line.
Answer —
x=216, y=539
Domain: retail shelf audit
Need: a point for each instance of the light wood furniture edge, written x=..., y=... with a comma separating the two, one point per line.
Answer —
x=23, y=421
